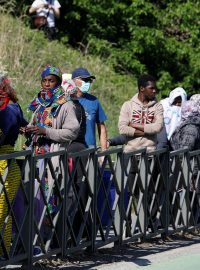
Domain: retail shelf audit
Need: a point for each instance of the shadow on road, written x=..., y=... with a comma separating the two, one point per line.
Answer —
x=130, y=252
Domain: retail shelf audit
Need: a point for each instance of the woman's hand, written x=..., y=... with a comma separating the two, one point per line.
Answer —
x=35, y=130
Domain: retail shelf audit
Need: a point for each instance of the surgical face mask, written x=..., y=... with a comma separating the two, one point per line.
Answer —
x=85, y=87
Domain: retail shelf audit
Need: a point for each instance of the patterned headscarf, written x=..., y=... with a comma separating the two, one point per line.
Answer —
x=46, y=105
x=70, y=88
x=188, y=109
x=49, y=70
x=196, y=99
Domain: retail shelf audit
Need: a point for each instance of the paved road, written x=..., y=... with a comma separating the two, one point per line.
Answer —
x=178, y=253
x=176, y=258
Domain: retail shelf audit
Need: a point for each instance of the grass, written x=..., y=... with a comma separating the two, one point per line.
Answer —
x=25, y=52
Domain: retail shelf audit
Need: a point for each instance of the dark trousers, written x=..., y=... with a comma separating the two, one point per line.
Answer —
x=79, y=188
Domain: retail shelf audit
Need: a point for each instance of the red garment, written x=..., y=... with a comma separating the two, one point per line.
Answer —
x=4, y=100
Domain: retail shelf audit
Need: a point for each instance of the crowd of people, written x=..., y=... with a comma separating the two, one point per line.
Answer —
x=65, y=114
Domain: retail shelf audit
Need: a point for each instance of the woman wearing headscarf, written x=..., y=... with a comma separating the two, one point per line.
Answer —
x=76, y=213
x=54, y=124
x=196, y=99
x=70, y=89
x=187, y=134
x=172, y=115
x=11, y=119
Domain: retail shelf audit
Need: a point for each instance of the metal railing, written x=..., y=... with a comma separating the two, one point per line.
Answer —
x=71, y=201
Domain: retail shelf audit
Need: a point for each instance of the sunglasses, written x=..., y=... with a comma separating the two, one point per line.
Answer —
x=86, y=79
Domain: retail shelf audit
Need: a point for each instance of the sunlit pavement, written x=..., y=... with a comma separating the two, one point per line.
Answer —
x=179, y=253
x=183, y=256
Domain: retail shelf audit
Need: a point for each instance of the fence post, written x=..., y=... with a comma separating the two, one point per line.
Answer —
x=93, y=173
x=121, y=210
x=144, y=175
x=166, y=166
x=31, y=209
x=187, y=183
x=64, y=212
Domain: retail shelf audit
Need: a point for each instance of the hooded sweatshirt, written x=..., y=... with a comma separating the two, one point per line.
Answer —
x=172, y=113
x=149, y=115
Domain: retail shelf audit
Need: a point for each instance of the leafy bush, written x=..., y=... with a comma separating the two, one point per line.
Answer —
x=158, y=37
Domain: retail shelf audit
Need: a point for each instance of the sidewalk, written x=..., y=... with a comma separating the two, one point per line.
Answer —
x=179, y=255
x=179, y=252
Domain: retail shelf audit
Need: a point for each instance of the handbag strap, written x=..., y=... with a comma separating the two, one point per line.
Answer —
x=50, y=2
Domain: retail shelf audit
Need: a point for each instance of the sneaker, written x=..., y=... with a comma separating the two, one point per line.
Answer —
x=37, y=251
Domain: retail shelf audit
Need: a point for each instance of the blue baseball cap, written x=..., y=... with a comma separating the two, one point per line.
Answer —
x=82, y=73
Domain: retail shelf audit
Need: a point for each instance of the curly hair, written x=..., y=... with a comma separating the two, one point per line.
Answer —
x=7, y=88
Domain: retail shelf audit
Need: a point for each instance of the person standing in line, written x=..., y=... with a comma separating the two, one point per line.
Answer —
x=49, y=10
x=196, y=99
x=95, y=115
x=11, y=119
x=141, y=118
x=187, y=133
x=54, y=124
x=172, y=116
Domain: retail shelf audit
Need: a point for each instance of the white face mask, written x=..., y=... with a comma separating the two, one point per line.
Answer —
x=85, y=87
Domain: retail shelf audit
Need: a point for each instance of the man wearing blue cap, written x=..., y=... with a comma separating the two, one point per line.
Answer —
x=94, y=112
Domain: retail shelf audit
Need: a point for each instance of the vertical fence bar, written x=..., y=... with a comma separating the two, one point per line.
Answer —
x=121, y=172
x=186, y=177
x=31, y=209
x=166, y=203
x=93, y=175
x=144, y=171
x=186, y=182
x=64, y=185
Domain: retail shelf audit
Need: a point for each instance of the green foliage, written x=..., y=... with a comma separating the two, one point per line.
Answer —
x=158, y=37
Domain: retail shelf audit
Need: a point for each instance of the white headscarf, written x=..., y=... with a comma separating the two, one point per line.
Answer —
x=172, y=113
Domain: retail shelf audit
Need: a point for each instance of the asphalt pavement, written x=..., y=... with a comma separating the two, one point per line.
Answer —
x=178, y=252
